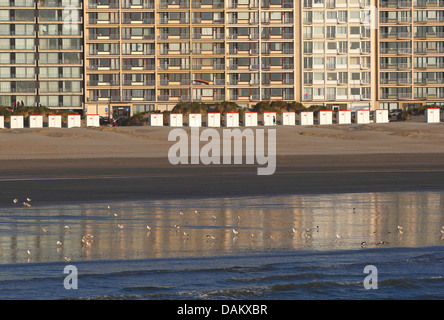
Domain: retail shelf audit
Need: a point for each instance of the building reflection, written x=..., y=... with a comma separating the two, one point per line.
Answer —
x=336, y=221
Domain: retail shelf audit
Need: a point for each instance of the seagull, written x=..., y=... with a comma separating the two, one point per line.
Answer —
x=15, y=200
x=29, y=252
x=28, y=199
x=214, y=217
x=115, y=214
x=25, y=204
x=148, y=227
x=109, y=208
x=400, y=228
x=363, y=243
x=235, y=232
x=176, y=226
x=181, y=213
x=87, y=239
x=293, y=230
x=195, y=211
x=210, y=237
x=44, y=230
x=338, y=236
x=67, y=227
x=59, y=243
x=121, y=226
x=67, y=259
x=186, y=234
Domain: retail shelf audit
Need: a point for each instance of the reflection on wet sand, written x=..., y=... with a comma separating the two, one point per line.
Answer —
x=208, y=227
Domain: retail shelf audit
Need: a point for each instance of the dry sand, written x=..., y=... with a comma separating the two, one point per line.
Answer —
x=152, y=142
x=105, y=164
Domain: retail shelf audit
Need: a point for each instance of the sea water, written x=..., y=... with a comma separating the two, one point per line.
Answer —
x=288, y=247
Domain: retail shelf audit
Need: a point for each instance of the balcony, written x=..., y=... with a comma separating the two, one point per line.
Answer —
x=163, y=98
x=112, y=5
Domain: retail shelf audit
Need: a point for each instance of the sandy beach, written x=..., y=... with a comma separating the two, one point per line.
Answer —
x=308, y=231
x=105, y=164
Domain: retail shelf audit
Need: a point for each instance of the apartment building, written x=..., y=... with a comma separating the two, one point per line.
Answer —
x=144, y=54
x=120, y=57
x=41, y=53
x=338, y=63
x=411, y=53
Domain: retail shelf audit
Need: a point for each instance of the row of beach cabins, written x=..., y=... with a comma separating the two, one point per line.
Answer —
x=306, y=118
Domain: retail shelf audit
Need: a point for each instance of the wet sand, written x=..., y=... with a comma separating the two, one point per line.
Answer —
x=115, y=164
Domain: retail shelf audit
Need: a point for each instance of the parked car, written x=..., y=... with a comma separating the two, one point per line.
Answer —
x=107, y=122
x=395, y=112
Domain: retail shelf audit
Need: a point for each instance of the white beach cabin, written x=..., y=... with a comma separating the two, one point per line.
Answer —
x=93, y=120
x=269, y=118
x=306, y=118
x=195, y=120
x=213, y=119
x=156, y=119
x=54, y=121
x=344, y=117
x=2, y=122
x=176, y=120
x=363, y=116
x=36, y=120
x=381, y=116
x=288, y=118
x=250, y=119
x=432, y=115
x=16, y=122
x=325, y=117
x=74, y=121
x=232, y=119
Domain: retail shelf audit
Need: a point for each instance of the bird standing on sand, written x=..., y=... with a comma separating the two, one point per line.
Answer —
x=235, y=232
x=25, y=204
x=120, y=226
x=28, y=199
x=59, y=243
x=67, y=259
x=148, y=227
